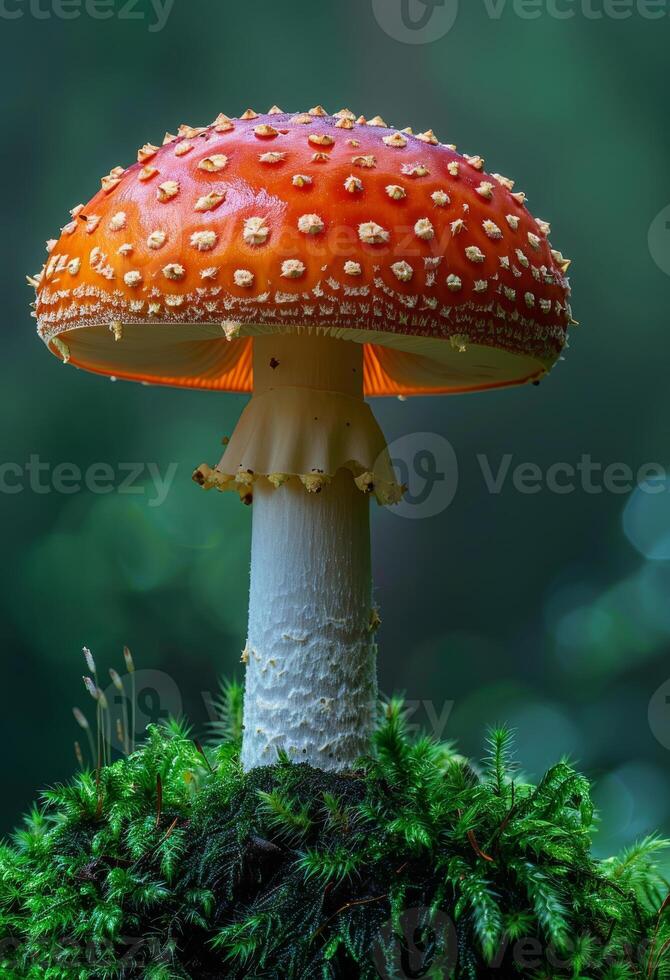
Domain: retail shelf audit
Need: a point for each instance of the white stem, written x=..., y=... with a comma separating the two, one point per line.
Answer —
x=311, y=656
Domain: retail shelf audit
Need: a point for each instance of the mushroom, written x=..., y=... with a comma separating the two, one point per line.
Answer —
x=310, y=265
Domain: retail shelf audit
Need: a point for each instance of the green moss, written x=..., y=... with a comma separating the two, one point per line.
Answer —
x=173, y=863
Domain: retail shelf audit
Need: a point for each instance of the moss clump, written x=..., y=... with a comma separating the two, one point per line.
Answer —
x=173, y=863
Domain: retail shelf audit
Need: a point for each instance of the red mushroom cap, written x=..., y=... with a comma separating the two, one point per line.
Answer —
x=285, y=222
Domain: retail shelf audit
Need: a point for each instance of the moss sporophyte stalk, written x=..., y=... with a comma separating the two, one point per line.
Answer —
x=173, y=862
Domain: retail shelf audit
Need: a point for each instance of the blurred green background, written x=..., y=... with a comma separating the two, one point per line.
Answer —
x=549, y=611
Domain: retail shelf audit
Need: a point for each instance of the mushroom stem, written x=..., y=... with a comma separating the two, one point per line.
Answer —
x=311, y=670
x=310, y=653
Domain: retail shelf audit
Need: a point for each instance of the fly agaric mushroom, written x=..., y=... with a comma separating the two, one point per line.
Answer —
x=310, y=260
